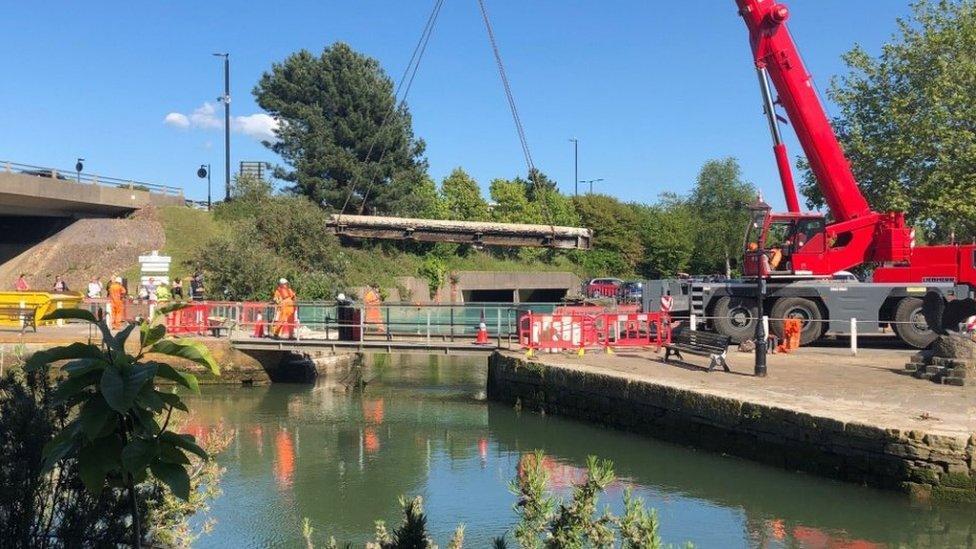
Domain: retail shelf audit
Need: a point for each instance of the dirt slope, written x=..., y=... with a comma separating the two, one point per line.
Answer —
x=86, y=248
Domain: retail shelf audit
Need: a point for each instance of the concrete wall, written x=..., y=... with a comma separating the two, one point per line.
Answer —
x=500, y=286
x=44, y=196
x=927, y=466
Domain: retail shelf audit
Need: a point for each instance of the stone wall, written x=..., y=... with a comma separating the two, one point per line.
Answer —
x=925, y=465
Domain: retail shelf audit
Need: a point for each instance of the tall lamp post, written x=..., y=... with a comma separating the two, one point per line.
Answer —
x=78, y=167
x=762, y=338
x=225, y=99
x=203, y=172
x=575, y=166
x=591, y=182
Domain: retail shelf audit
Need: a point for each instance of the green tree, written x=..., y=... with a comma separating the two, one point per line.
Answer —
x=717, y=202
x=331, y=110
x=462, y=197
x=668, y=231
x=616, y=243
x=908, y=119
x=512, y=203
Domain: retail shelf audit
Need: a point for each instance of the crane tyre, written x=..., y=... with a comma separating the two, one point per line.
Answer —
x=910, y=323
x=736, y=317
x=807, y=310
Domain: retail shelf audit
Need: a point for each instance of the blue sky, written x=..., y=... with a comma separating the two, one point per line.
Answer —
x=652, y=89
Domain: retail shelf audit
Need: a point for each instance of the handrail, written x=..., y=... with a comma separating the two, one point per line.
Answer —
x=71, y=175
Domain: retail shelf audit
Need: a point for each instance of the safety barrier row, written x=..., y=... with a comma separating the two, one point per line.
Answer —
x=553, y=333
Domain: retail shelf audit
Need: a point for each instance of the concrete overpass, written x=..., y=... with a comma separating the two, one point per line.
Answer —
x=31, y=191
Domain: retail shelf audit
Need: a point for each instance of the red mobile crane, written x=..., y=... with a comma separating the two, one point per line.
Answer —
x=800, y=253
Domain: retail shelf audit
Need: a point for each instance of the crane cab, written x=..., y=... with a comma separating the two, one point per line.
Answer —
x=785, y=245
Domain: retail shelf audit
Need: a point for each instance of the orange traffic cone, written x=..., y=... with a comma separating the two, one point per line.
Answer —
x=482, y=337
x=259, y=326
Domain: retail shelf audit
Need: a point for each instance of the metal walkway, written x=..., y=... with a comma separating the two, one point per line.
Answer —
x=462, y=232
x=460, y=346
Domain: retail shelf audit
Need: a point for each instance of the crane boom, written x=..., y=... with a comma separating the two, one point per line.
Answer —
x=775, y=51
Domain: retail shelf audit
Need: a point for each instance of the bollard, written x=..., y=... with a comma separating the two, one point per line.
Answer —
x=765, y=324
x=23, y=305
x=60, y=322
x=693, y=321
x=853, y=337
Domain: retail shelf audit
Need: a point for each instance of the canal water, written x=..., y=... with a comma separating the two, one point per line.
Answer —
x=342, y=458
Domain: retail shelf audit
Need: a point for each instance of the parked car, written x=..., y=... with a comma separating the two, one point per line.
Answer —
x=632, y=291
x=44, y=173
x=602, y=287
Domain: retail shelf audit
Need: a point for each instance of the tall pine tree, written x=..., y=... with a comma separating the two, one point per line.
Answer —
x=332, y=108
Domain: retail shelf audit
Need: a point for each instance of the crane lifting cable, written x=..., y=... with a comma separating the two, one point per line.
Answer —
x=520, y=129
x=426, y=230
x=405, y=83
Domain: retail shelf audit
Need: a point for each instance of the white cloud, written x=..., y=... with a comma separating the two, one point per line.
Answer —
x=259, y=125
x=204, y=117
x=177, y=120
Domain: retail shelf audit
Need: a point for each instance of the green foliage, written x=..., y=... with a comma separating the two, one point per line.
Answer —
x=718, y=206
x=668, y=233
x=30, y=416
x=462, y=197
x=616, y=237
x=908, y=119
x=512, y=202
x=332, y=108
x=575, y=524
x=266, y=238
x=434, y=270
x=250, y=187
x=114, y=422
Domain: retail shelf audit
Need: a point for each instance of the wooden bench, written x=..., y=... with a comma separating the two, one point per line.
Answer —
x=714, y=346
x=24, y=315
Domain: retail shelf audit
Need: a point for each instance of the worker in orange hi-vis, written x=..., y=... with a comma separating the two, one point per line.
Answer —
x=116, y=299
x=371, y=302
x=284, y=298
x=792, y=327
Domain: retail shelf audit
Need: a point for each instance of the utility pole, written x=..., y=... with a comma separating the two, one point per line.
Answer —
x=575, y=166
x=225, y=99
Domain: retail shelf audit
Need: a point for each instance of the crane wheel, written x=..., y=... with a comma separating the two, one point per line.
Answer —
x=910, y=323
x=736, y=317
x=802, y=308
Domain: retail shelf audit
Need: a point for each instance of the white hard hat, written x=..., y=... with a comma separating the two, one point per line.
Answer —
x=118, y=279
x=282, y=281
x=341, y=296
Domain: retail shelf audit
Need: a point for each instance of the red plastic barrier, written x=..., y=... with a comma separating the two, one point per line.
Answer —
x=189, y=320
x=637, y=330
x=562, y=332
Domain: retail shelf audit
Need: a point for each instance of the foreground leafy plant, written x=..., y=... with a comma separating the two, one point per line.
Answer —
x=120, y=434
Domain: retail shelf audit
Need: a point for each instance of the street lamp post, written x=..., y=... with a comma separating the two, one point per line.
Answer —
x=78, y=167
x=575, y=166
x=762, y=338
x=591, y=182
x=225, y=99
x=204, y=171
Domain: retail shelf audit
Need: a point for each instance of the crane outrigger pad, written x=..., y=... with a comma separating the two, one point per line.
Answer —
x=461, y=232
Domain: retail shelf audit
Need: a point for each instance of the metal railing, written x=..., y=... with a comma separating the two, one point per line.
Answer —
x=94, y=179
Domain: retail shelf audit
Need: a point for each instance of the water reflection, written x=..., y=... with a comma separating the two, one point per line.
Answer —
x=342, y=458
